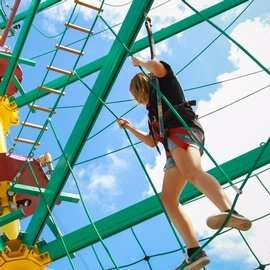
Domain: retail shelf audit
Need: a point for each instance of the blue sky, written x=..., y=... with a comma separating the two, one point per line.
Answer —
x=117, y=181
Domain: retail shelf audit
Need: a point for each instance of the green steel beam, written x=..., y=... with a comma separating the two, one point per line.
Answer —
x=5, y=19
x=52, y=227
x=34, y=191
x=141, y=44
x=19, y=46
x=3, y=16
x=148, y=208
x=18, y=214
x=56, y=232
x=89, y=113
x=20, y=88
x=21, y=16
x=18, y=85
x=20, y=60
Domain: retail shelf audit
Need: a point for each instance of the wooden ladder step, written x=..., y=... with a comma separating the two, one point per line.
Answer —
x=68, y=49
x=79, y=28
x=31, y=125
x=27, y=141
x=82, y=3
x=51, y=90
x=59, y=70
x=41, y=108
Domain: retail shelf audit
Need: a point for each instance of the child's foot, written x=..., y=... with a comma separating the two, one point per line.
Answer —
x=195, y=263
x=236, y=221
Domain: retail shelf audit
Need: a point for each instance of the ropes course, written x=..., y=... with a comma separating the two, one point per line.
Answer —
x=32, y=184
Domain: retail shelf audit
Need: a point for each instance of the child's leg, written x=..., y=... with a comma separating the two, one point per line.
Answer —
x=189, y=163
x=173, y=184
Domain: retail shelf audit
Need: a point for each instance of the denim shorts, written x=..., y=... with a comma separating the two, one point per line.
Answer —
x=171, y=145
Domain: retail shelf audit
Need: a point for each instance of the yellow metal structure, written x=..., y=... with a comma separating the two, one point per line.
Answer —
x=17, y=256
x=7, y=204
x=8, y=116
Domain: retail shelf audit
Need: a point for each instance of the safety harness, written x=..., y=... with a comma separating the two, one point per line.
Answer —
x=172, y=125
x=164, y=124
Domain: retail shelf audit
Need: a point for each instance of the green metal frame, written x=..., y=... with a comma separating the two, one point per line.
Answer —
x=102, y=87
x=34, y=191
x=19, y=46
x=109, y=67
x=149, y=207
x=20, y=60
x=18, y=85
x=139, y=45
x=55, y=231
x=18, y=214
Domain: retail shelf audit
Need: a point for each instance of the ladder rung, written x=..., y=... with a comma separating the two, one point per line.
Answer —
x=88, y=5
x=79, y=28
x=41, y=108
x=51, y=90
x=27, y=141
x=59, y=70
x=27, y=124
x=68, y=49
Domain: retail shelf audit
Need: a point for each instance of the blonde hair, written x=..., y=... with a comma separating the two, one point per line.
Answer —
x=139, y=88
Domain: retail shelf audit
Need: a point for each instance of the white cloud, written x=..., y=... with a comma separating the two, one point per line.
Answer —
x=142, y=123
x=116, y=162
x=160, y=48
x=54, y=17
x=175, y=11
x=156, y=173
x=231, y=14
x=105, y=182
x=243, y=120
x=230, y=246
x=99, y=181
x=224, y=248
x=242, y=126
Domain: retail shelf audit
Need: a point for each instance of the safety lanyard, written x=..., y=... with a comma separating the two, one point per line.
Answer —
x=154, y=80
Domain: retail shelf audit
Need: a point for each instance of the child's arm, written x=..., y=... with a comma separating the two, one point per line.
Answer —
x=145, y=138
x=154, y=66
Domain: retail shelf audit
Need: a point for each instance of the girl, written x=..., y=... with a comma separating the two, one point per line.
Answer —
x=183, y=157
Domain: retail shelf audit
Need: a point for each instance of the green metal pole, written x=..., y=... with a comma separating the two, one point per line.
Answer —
x=18, y=214
x=5, y=19
x=87, y=118
x=34, y=191
x=56, y=232
x=3, y=16
x=19, y=46
x=18, y=85
x=21, y=16
x=20, y=60
x=149, y=207
x=141, y=44
x=9, y=23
